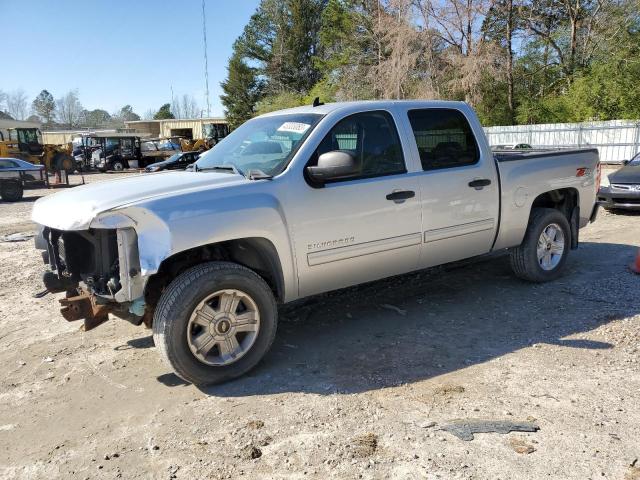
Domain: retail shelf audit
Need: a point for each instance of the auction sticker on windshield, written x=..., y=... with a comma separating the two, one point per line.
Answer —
x=295, y=127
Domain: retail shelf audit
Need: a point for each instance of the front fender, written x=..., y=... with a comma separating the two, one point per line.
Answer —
x=168, y=226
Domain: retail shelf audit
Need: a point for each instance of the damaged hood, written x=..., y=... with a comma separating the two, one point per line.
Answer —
x=74, y=209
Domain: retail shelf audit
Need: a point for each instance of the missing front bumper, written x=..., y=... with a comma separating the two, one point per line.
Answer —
x=84, y=307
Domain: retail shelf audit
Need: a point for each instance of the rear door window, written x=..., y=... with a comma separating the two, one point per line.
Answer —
x=444, y=138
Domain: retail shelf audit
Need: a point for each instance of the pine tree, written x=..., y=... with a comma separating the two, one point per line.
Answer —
x=44, y=105
x=164, y=112
x=242, y=90
x=127, y=114
x=291, y=67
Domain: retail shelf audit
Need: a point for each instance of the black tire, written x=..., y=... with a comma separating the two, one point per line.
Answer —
x=62, y=161
x=524, y=259
x=11, y=191
x=178, y=301
x=117, y=166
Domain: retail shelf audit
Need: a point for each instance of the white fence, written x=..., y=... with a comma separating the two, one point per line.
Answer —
x=616, y=140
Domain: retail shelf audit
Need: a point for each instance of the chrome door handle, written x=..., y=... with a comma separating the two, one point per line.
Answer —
x=401, y=195
x=479, y=183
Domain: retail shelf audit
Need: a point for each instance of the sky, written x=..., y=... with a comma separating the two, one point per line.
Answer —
x=119, y=52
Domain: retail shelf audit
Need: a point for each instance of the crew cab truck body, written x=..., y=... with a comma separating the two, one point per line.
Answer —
x=299, y=202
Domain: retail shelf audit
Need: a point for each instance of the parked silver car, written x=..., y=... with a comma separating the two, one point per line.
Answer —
x=623, y=191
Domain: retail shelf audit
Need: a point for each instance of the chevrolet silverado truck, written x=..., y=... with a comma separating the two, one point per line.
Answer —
x=299, y=202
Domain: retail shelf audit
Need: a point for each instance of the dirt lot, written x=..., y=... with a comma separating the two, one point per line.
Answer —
x=358, y=384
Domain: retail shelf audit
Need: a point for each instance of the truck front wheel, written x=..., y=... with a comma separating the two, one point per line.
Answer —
x=215, y=322
x=543, y=253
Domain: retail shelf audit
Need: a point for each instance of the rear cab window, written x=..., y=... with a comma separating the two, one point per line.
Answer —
x=444, y=138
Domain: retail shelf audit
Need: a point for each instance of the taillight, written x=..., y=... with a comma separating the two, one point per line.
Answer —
x=598, y=176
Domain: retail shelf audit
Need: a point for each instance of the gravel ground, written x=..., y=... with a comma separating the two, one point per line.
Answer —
x=359, y=383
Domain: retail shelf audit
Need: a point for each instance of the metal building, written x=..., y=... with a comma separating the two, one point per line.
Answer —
x=193, y=128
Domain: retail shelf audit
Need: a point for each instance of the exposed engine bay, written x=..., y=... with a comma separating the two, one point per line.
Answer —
x=88, y=266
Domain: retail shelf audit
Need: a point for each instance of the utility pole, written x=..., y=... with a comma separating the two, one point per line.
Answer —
x=206, y=65
x=173, y=103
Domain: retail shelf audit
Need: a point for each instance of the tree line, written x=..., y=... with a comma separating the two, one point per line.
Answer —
x=514, y=61
x=67, y=111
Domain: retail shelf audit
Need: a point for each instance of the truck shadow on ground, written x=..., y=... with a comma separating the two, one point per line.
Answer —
x=422, y=325
x=625, y=213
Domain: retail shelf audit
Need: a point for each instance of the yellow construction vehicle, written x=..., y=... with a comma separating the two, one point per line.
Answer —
x=212, y=133
x=199, y=145
x=26, y=144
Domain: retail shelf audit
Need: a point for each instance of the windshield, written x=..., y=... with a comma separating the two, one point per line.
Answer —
x=265, y=144
x=635, y=161
x=173, y=157
x=27, y=135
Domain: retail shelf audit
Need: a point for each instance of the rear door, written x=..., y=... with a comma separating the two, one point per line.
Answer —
x=458, y=184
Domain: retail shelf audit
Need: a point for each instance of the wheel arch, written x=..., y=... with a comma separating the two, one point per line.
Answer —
x=563, y=199
x=256, y=253
x=515, y=216
x=567, y=201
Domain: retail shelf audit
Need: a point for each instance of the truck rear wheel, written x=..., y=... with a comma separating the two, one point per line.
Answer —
x=543, y=253
x=215, y=322
x=117, y=166
x=11, y=191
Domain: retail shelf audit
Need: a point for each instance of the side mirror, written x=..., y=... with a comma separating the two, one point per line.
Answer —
x=334, y=165
x=624, y=162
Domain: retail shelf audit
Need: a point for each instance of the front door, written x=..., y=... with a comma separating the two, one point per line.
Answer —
x=126, y=148
x=363, y=228
x=459, y=187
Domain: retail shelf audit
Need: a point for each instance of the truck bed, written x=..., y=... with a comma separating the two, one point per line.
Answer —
x=524, y=175
x=514, y=155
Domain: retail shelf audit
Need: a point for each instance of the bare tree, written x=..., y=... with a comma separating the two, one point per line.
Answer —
x=468, y=59
x=149, y=114
x=501, y=25
x=3, y=100
x=16, y=102
x=456, y=22
x=509, y=27
x=69, y=109
x=573, y=31
x=400, y=49
x=467, y=72
x=185, y=107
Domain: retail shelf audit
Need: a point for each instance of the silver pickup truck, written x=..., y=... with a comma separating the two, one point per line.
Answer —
x=299, y=202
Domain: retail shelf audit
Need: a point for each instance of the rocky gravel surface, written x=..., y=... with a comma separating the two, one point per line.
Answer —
x=361, y=383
